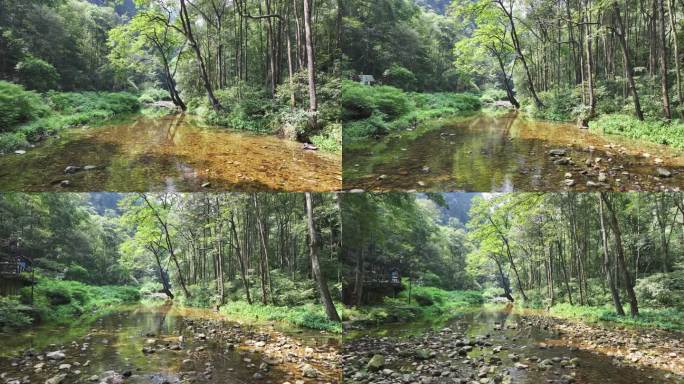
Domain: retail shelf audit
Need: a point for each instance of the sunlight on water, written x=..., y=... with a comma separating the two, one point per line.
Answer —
x=169, y=153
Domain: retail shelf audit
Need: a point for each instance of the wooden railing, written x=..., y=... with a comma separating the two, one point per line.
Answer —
x=10, y=269
x=382, y=278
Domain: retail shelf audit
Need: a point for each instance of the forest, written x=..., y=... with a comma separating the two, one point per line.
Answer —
x=215, y=262
x=205, y=250
x=592, y=76
x=266, y=67
x=602, y=271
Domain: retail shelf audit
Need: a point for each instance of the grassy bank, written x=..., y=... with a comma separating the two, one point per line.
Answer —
x=378, y=110
x=251, y=108
x=655, y=131
x=613, y=116
x=27, y=117
x=310, y=316
x=427, y=303
x=296, y=303
x=670, y=319
x=62, y=302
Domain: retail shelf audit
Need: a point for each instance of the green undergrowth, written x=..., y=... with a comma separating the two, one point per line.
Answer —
x=246, y=107
x=27, y=117
x=656, y=131
x=369, y=111
x=427, y=303
x=63, y=301
x=671, y=319
x=310, y=316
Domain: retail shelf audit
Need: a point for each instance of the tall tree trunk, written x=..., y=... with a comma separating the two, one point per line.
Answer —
x=310, y=66
x=510, y=258
x=169, y=244
x=241, y=260
x=518, y=49
x=504, y=281
x=358, y=277
x=330, y=310
x=187, y=30
x=290, y=70
x=509, y=91
x=590, y=62
x=264, y=246
x=162, y=276
x=675, y=46
x=606, y=264
x=662, y=52
x=620, y=33
x=622, y=264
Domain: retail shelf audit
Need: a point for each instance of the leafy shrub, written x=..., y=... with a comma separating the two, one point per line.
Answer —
x=559, y=105
x=293, y=122
x=245, y=108
x=57, y=295
x=330, y=139
x=37, y=74
x=18, y=106
x=662, y=290
x=492, y=94
x=202, y=296
x=391, y=101
x=655, y=131
x=62, y=300
x=150, y=287
x=13, y=314
x=11, y=140
x=155, y=94
x=423, y=300
x=93, y=103
x=76, y=272
x=145, y=99
x=664, y=318
x=399, y=76
x=307, y=316
x=357, y=101
x=125, y=294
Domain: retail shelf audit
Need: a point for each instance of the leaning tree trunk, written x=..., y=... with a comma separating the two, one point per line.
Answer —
x=187, y=28
x=504, y=281
x=315, y=266
x=510, y=259
x=518, y=50
x=509, y=91
x=165, y=282
x=664, y=89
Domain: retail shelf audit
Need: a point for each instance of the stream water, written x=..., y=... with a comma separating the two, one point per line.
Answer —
x=165, y=344
x=500, y=338
x=510, y=153
x=171, y=153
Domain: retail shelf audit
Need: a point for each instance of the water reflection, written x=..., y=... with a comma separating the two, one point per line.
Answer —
x=168, y=153
x=504, y=154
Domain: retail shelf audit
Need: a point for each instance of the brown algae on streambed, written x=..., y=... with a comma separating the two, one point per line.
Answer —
x=502, y=345
x=170, y=153
x=510, y=153
x=156, y=344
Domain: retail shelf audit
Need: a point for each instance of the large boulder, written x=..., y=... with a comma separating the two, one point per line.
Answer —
x=56, y=355
x=376, y=363
x=56, y=379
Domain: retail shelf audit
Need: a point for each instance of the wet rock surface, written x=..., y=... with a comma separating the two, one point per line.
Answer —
x=122, y=349
x=493, y=347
